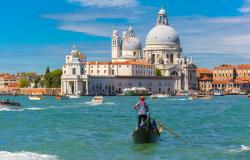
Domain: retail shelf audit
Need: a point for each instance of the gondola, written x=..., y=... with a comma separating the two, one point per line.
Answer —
x=147, y=133
x=9, y=104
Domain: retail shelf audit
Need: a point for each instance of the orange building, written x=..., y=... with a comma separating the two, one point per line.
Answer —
x=204, y=77
x=232, y=79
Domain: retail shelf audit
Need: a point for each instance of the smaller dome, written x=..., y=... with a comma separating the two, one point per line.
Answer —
x=162, y=11
x=125, y=33
x=131, y=44
x=115, y=32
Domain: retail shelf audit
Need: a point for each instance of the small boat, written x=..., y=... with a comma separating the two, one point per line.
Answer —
x=191, y=98
x=73, y=96
x=153, y=96
x=10, y=105
x=147, y=133
x=161, y=95
x=248, y=95
x=61, y=97
x=35, y=97
x=242, y=92
x=97, y=100
x=200, y=96
x=218, y=93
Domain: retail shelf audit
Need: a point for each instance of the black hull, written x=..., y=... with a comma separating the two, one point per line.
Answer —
x=144, y=135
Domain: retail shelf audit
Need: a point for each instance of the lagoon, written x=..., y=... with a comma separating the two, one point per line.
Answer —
x=75, y=129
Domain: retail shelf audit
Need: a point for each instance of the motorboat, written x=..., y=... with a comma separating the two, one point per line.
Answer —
x=73, y=96
x=61, y=97
x=242, y=92
x=35, y=97
x=9, y=104
x=200, y=96
x=161, y=95
x=218, y=93
x=248, y=95
x=97, y=100
x=153, y=96
x=147, y=133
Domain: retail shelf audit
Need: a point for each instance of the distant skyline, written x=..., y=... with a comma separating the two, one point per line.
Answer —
x=37, y=34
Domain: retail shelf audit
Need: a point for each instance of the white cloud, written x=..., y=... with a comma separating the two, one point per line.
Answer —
x=106, y=3
x=228, y=35
x=246, y=7
x=98, y=23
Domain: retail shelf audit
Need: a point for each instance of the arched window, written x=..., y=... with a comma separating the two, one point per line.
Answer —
x=73, y=71
x=174, y=73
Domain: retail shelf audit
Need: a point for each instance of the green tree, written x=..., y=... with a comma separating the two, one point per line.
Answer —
x=47, y=80
x=53, y=79
x=56, y=78
x=37, y=82
x=23, y=83
x=158, y=72
x=47, y=71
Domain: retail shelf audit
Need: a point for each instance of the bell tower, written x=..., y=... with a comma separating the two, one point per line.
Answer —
x=116, y=51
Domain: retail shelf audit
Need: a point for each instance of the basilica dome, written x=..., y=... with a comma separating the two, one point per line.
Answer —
x=162, y=34
x=131, y=44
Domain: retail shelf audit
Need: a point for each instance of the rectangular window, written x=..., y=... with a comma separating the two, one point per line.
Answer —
x=113, y=72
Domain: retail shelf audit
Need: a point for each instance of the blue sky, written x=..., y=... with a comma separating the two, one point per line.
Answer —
x=39, y=33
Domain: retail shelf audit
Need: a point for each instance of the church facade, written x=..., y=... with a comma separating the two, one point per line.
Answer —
x=132, y=66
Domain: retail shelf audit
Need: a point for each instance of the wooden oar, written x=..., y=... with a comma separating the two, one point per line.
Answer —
x=173, y=133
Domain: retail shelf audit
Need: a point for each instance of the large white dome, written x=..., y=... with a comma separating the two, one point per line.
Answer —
x=131, y=44
x=162, y=34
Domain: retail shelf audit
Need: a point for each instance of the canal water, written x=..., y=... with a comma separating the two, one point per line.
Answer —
x=74, y=129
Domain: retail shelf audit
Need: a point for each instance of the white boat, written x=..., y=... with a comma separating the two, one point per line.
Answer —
x=161, y=95
x=218, y=93
x=97, y=100
x=191, y=98
x=73, y=96
x=153, y=96
x=35, y=97
x=242, y=92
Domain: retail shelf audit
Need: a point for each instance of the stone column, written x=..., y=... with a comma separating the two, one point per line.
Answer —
x=87, y=87
x=77, y=88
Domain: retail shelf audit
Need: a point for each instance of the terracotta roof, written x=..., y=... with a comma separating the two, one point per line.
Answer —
x=203, y=70
x=225, y=66
x=243, y=66
x=221, y=82
x=205, y=78
x=14, y=85
x=121, y=63
x=7, y=76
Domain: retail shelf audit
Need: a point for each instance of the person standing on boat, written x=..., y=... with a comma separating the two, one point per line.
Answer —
x=142, y=108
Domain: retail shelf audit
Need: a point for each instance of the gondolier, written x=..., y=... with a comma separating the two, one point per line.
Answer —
x=142, y=108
